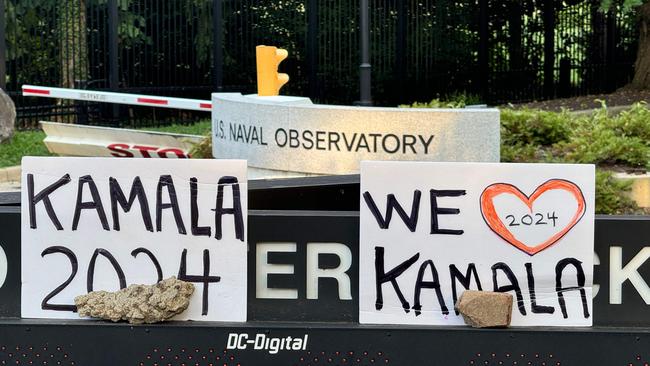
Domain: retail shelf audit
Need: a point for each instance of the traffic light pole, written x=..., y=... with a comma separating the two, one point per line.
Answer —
x=364, y=68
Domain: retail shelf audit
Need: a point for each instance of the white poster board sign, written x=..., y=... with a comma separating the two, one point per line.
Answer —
x=431, y=230
x=104, y=223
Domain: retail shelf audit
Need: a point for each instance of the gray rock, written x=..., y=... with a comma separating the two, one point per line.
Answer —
x=379, y=133
x=485, y=309
x=138, y=304
x=7, y=117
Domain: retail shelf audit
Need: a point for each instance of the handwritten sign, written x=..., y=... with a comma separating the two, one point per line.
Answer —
x=102, y=224
x=429, y=231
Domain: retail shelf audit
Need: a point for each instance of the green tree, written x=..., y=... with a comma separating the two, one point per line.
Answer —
x=28, y=34
x=73, y=43
x=641, y=78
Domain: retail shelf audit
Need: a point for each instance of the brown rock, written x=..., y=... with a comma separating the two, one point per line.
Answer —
x=485, y=309
x=7, y=117
x=138, y=304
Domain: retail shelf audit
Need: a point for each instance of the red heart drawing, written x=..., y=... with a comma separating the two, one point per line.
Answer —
x=494, y=222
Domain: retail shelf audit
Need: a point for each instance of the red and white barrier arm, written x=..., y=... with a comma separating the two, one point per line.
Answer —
x=119, y=98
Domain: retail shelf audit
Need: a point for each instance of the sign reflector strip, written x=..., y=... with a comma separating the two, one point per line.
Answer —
x=36, y=91
x=152, y=101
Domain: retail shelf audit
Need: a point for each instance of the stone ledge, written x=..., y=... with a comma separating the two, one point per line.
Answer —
x=640, y=192
x=10, y=174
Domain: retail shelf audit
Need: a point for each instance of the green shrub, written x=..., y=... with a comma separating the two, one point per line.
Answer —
x=455, y=100
x=203, y=150
x=611, y=195
x=521, y=153
x=632, y=122
x=534, y=127
x=604, y=147
x=607, y=140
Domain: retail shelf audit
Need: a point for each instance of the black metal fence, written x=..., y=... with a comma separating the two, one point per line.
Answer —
x=499, y=51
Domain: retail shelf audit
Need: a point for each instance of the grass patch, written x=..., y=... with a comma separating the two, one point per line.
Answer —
x=23, y=143
x=201, y=128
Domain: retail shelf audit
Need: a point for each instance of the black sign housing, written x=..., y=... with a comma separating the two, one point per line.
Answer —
x=304, y=229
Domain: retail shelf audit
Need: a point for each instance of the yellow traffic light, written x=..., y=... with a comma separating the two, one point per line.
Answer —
x=269, y=81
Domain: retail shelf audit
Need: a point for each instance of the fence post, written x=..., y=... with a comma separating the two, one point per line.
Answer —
x=400, y=48
x=217, y=47
x=549, y=47
x=483, y=49
x=364, y=68
x=113, y=77
x=564, y=89
x=3, y=46
x=611, y=73
x=312, y=47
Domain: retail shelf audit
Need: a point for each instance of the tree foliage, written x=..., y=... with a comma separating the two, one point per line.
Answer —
x=51, y=41
x=626, y=5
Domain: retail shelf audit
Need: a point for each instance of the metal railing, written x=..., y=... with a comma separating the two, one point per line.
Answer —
x=499, y=51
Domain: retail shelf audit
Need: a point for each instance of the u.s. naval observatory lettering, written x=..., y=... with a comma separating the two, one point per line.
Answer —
x=293, y=135
x=307, y=139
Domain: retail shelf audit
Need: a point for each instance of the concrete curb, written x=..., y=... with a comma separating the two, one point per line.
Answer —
x=10, y=174
x=640, y=192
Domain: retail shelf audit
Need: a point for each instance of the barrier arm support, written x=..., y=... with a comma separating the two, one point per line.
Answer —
x=118, y=98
